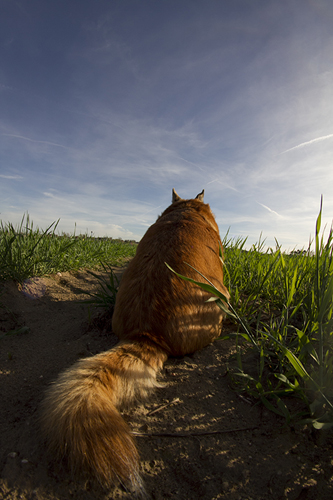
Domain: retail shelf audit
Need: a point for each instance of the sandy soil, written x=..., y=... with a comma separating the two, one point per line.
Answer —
x=197, y=438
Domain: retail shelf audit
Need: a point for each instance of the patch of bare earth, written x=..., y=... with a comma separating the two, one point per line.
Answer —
x=197, y=438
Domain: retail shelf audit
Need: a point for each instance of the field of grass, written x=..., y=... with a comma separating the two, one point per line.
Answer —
x=26, y=251
x=282, y=306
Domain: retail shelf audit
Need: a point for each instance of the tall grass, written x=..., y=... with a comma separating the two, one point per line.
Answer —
x=283, y=306
x=26, y=251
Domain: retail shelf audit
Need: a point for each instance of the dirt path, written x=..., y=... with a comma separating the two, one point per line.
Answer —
x=197, y=438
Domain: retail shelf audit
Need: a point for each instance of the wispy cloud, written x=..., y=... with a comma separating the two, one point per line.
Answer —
x=307, y=143
x=269, y=209
x=12, y=177
x=37, y=141
x=224, y=183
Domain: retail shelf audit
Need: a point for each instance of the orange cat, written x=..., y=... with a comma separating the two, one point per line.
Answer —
x=156, y=315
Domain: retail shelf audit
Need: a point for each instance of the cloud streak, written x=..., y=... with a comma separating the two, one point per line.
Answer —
x=269, y=209
x=307, y=143
x=36, y=141
x=12, y=177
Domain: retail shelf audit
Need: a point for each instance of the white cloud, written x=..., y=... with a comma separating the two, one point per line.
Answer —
x=11, y=177
x=269, y=209
x=307, y=143
x=36, y=140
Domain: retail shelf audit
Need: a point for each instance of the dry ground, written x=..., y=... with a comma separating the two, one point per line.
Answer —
x=199, y=439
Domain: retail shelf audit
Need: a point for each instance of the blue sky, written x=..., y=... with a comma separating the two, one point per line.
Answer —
x=108, y=105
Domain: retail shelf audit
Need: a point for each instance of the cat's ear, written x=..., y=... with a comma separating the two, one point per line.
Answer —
x=200, y=196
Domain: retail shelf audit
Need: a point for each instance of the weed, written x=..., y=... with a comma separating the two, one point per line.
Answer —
x=105, y=297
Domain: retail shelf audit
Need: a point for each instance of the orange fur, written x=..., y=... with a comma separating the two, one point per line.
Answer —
x=156, y=315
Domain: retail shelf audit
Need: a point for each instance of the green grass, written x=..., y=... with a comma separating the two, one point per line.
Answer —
x=105, y=296
x=26, y=251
